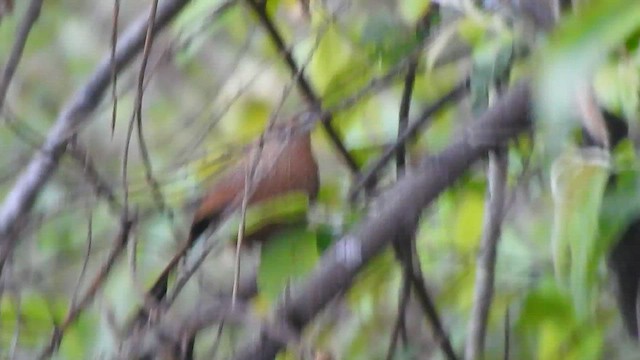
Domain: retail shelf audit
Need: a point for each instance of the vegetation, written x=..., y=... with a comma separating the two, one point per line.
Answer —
x=459, y=215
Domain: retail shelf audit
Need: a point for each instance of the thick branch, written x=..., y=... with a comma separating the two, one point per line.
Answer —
x=75, y=114
x=403, y=205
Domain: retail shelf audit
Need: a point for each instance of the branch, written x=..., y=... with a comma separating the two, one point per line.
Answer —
x=312, y=99
x=33, y=12
x=403, y=116
x=398, y=218
x=407, y=255
x=429, y=308
x=400, y=326
x=422, y=120
x=169, y=331
x=73, y=116
x=485, y=273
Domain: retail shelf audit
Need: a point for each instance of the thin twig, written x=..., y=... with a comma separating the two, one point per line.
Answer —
x=411, y=267
x=422, y=28
x=125, y=165
x=313, y=100
x=114, y=74
x=400, y=325
x=403, y=119
x=30, y=17
x=422, y=120
x=216, y=343
x=85, y=263
x=507, y=334
x=485, y=270
x=403, y=116
x=146, y=160
x=248, y=184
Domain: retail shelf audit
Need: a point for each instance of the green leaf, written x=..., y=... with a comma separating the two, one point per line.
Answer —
x=468, y=221
x=491, y=64
x=412, y=10
x=617, y=85
x=37, y=315
x=386, y=39
x=332, y=55
x=284, y=259
x=325, y=237
x=578, y=181
x=288, y=207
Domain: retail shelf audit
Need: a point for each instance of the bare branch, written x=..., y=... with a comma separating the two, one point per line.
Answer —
x=75, y=309
x=507, y=334
x=485, y=271
x=399, y=326
x=429, y=308
x=403, y=116
x=73, y=116
x=114, y=74
x=146, y=160
x=32, y=14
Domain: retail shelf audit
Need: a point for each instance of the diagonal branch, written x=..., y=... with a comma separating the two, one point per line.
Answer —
x=310, y=96
x=32, y=14
x=485, y=272
x=398, y=218
x=73, y=116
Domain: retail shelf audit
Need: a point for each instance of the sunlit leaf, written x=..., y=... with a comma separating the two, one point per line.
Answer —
x=468, y=221
x=285, y=258
x=412, y=10
x=617, y=85
x=578, y=180
x=332, y=55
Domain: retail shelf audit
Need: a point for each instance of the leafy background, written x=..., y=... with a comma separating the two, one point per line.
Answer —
x=214, y=82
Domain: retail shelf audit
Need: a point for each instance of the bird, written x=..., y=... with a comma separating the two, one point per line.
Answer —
x=285, y=164
x=280, y=163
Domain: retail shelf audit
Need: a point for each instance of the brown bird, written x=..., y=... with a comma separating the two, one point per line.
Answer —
x=285, y=165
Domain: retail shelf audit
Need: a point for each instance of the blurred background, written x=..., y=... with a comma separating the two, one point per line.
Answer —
x=213, y=81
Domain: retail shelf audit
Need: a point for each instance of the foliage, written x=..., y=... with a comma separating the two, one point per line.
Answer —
x=216, y=80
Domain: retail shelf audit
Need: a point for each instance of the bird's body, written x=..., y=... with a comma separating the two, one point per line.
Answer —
x=285, y=165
